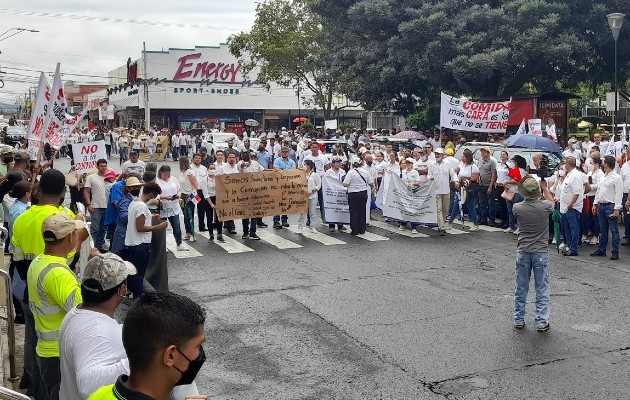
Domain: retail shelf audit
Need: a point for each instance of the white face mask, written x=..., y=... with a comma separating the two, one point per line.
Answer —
x=212, y=172
x=562, y=172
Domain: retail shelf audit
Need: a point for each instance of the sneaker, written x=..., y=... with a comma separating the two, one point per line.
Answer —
x=594, y=240
x=182, y=247
x=285, y=224
x=313, y=230
x=447, y=227
x=253, y=236
x=220, y=239
x=519, y=325
x=262, y=225
x=473, y=228
x=553, y=241
x=343, y=228
x=187, y=236
x=192, y=238
x=517, y=231
x=331, y=230
x=542, y=328
x=598, y=253
x=562, y=247
x=614, y=256
x=509, y=230
x=585, y=239
x=277, y=226
x=211, y=238
x=414, y=231
x=245, y=236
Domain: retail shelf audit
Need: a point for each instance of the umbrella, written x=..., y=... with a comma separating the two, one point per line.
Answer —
x=300, y=119
x=411, y=135
x=556, y=217
x=251, y=122
x=533, y=142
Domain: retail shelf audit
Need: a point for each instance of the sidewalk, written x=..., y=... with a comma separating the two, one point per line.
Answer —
x=19, y=351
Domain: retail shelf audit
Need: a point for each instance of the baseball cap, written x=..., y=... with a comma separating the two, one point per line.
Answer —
x=336, y=160
x=486, y=148
x=22, y=155
x=439, y=150
x=450, y=152
x=7, y=150
x=106, y=271
x=133, y=181
x=410, y=160
x=111, y=174
x=203, y=149
x=59, y=226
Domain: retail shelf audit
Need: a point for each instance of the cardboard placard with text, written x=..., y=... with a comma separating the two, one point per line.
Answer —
x=261, y=194
x=86, y=155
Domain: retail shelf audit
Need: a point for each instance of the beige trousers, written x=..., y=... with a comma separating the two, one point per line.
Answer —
x=443, y=203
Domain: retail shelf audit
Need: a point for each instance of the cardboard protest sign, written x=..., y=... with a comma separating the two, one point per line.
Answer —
x=404, y=204
x=160, y=151
x=336, y=209
x=261, y=194
x=458, y=113
x=85, y=156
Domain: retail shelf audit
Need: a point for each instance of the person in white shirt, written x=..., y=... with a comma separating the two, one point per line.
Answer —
x=574, y=150
x=151, y=145
x=450, y=159
x=210, y=196
x=336, y=173
x=134, y=164
x=175, y=145
x=169, y=199
x=380, y=166
x=123, y=148
x=571, y=201
x=188, y=186
x=247, y=165
x=138, y=238
x=358, y=182
x=468, y=175
x=442, y=175
x=421, y=163
x=607, y=206
x=136, y=144
x=411, y=178
x=314, y=184
x=229, y=167
x=321, y=164
x=96, y=193
x=503, y=167
x=203, y=208
x=590, y=231
x=108, y=142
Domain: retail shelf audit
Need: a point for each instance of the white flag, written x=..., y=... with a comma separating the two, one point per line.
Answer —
x=56, y=107
x=39, y=114
x=551, y=132
x=611, y=147
x=69, y=123
x=624, y=139
x=521, y=129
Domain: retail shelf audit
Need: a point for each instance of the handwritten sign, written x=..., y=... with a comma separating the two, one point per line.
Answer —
x=86, y=155
x=261, y=194
x=472, y=116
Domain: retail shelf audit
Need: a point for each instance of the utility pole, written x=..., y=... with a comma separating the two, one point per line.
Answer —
x=147, y=111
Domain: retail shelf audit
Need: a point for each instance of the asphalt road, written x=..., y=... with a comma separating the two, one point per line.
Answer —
x=401, y=317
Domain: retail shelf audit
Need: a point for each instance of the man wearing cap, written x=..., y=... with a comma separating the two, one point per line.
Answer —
x=338, y=174
x=53, y=291
x=532, y=250
x=442, y=174
x=134, y=164
x=282, y=163
x=485, y=193
x=96, y=193
x=573, y=150
x=449, y=159
x=6, y=158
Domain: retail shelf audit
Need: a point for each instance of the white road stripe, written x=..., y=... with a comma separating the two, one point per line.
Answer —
x=230, y=245
x=318, y=237
x=394, y=229
x=490, y=228
x=372, y=237
x=171, y=245
x=277, y=241
x=454, y=231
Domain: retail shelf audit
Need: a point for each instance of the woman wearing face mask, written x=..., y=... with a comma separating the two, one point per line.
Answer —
x=210, y=195
x=468, y=175
x=590, y=224
x=555, y=189
x=188, y=185
x=314, y=183
x=170, y=203
x=503, y=167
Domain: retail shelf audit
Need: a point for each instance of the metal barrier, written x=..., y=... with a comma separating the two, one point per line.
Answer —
x=8, y=394
x=7, y=301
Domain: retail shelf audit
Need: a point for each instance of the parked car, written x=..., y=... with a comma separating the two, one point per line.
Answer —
x=13, y=134
x=217, y=141
x=495, y=151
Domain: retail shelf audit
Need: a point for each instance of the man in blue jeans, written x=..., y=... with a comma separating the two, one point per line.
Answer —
x=607, y=206
x=571, y=203
x=531, y=250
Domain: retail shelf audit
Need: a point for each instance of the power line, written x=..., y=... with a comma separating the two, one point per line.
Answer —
x=65, y=54
x=119, y=20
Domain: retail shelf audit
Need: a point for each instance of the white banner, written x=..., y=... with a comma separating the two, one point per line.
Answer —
x=38, y=116
x=110, y=112
x=56, y=107
x=86, y=155
x=466, y=115
x=535, y=127
x=336, y=209
x=58, y=138
x=404, y=204
x=330, y=124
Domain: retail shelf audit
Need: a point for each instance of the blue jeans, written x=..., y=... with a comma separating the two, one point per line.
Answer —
x=30, y=343
x=189, y=215
x=177, y=230
x=139, y=256
x=626, y=218
x=175, y=151
x=124, y=154
x=487, y=211
x=98, y=228
x=571, y=227
x=249, y=226
x=510, y=205
x=470, y=204
x=276, y=219
x=606, y=223
x=525, y=263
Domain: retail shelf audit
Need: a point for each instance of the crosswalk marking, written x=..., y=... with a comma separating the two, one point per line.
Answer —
x=489, y=228
x=372, y=237
x=171, y=245
x=276, y=240
x=318, y=236
x=230, y=245
x=454, y=231
x=393, y=229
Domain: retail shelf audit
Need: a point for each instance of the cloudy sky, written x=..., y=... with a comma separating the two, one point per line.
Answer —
x=71, y=33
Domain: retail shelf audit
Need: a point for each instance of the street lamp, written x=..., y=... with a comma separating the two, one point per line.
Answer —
x=19, y=30
x=615, y=21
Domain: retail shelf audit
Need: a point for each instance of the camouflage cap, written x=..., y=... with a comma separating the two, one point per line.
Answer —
x=106, y=271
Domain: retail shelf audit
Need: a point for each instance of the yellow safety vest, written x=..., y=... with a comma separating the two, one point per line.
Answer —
x=106, y=393
x=53, y=291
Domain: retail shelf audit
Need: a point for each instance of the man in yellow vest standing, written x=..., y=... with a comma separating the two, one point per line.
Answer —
x=53, y=291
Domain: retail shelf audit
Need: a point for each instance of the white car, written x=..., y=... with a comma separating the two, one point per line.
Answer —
x=217, y=141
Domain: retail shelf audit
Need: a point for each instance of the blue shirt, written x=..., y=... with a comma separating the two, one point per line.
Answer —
x=281, y=164
x=118, y=241
x=15, y=211
x=264, y=158
x=115, y=194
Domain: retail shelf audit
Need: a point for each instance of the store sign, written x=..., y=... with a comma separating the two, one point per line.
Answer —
x=553, y=112
x=206, y=91
x=190, y=67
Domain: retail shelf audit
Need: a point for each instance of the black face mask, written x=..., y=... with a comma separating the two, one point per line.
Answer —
x=7, y=160
x=194, y=366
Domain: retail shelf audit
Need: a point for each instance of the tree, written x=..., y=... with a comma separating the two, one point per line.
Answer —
x=413, y=49
x=287, y=46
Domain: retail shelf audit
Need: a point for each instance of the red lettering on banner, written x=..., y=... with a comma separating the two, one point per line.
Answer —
x=89, y=149
x=477, y=115
x=39, y=126
x=205, y=70
x=47, y=94
x=486, y=107
x=496, y=125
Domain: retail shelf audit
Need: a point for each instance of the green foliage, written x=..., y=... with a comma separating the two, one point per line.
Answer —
x=426, y=118
x=573, y=122
x=307, y=125
x=288, y=46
